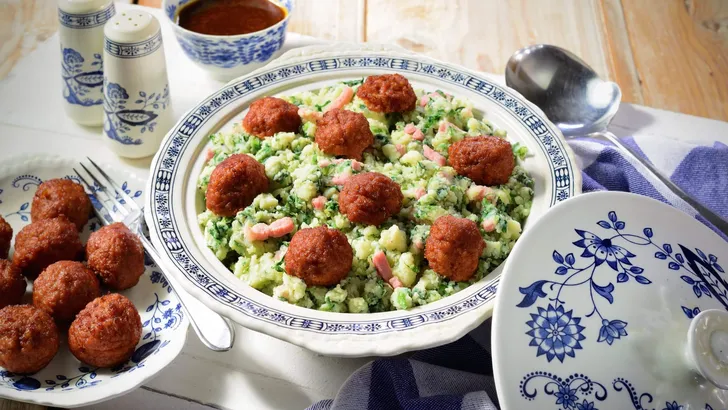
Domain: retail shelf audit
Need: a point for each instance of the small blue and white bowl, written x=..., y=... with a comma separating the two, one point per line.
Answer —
x=227, y=57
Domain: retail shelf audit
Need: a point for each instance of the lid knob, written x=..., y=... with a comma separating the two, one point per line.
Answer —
x=708, y=346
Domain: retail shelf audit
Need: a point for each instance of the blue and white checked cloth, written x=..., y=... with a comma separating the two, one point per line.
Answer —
x=459, y=375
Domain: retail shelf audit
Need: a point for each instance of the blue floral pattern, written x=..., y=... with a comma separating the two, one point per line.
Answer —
x=579, y=392
x=121, y=116
x=223, y=53
x=81, y=85
x=86, y=20
x=588, y=272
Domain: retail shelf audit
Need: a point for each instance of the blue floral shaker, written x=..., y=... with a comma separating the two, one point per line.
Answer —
x=137, y=111
x=81, y=33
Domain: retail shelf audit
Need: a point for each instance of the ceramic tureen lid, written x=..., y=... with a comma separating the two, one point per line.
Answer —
x=613, y=301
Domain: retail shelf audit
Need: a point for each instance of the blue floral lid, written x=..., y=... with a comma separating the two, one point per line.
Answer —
x=613, y=301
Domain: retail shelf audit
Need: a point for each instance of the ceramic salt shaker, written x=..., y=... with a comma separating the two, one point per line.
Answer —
x=137, y=111
x=81, y=34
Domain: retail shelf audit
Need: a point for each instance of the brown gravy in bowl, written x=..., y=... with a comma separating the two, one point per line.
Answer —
x=229, y=17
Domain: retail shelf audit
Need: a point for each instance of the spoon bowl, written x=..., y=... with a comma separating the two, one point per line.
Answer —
x=569, y=92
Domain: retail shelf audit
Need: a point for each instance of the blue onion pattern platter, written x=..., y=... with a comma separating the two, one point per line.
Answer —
x=66, y=382
x=595, y=304
x=173, y=203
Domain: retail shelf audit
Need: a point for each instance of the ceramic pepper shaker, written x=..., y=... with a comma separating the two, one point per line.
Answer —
x=137, y=111
x=81, y=33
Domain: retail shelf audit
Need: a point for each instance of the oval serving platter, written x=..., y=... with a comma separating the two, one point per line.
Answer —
x=173, y=203
x=66, y=382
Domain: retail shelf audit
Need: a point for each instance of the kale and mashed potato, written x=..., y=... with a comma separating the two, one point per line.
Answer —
x=365, y=196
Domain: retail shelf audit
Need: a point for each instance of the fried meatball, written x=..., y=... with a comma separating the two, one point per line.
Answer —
x=116, y=255
x=370, y=198
x=106, y=332
x=234, y=183
x=454, y=247
x=28, y=339
x=486, y=160
x=57, y=197
x=387, y=93
x=271, y=115
x=44, y=242
x=320, y=256
x=343, y=133
x=6, y=236
x=64, y=288
x=12, y=284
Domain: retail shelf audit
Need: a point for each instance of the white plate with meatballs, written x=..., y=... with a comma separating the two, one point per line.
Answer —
x=354, y=200
x=84, y=316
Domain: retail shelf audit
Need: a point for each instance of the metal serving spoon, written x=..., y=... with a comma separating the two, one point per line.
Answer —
x=580, y=103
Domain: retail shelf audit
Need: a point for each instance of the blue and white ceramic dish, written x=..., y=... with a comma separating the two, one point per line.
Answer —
x=227, y=57
x=173, y=203
x=66, y=382
x=604, y=304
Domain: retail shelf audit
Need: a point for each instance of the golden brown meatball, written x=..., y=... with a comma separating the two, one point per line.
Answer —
x=454, y=247
x=28, y=339
x=64, y=288
x=44, y=242
x=12, y=284
x=320, y=256
x=116, y=255
x=57, y=197
x=234, y=183
x=343, y=133
x=487, y=160
x=106, y=332
x=370, y=198
x=387, y=93
x=271, y=115
x=6, y=236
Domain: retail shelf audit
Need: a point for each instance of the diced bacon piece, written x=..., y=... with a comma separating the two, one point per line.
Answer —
x=443, y=126
x=319, y=202
x=400, y=149
x=209, y=155
x=356, y=165
x=343, y=99
x=434, y=156
x=324, y=163
x=395, y=282
x=420, y=192
x=382, y=265
x=257, y=232
x=446, y=175
x=280, y=253
x=418, y=135
x=419, y=244
x=281, y=227
x=340, y=179
x=467, y=112
x=309, y=114
x=434, y=95
x=424, y=100
x=410, y=128
x=488, y=225
x=478, y=192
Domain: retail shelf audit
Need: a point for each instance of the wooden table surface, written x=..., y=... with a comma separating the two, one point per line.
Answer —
x=668, y=54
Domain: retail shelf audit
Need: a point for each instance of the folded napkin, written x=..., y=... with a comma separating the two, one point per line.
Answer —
x=459, y=375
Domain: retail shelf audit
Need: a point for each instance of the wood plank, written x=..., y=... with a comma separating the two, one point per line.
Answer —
x=24, y=23
x=680, y=49
x=16, y=405
x=619, y=52
x=482, y=34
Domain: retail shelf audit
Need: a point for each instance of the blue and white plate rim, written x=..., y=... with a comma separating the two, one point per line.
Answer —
x=164, y=223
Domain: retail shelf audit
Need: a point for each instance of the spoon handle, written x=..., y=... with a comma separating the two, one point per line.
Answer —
x=706, y=213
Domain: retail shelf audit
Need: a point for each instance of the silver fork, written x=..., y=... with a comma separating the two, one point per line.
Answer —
x=214, y=331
